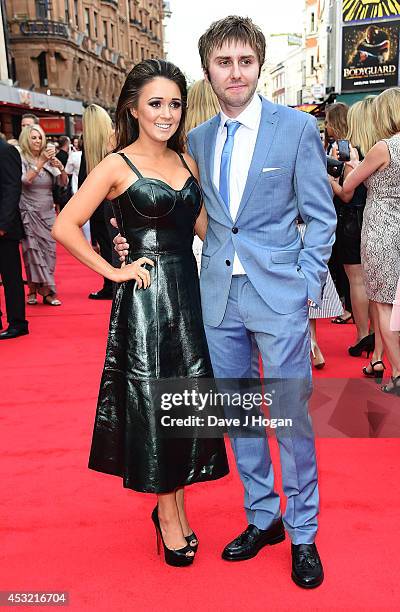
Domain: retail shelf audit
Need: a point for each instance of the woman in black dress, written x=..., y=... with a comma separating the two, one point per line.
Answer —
x=156, y=332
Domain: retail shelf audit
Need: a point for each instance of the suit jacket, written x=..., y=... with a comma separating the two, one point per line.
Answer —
x=287, y=178
x=10, y=191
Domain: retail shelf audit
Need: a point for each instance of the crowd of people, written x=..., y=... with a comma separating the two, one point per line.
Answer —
x=267, y=231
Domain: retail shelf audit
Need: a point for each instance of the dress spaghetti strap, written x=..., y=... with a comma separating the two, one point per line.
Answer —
x=130, y=164
x=185, y=164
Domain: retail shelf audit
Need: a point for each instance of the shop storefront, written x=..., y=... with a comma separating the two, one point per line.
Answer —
x=57, y=115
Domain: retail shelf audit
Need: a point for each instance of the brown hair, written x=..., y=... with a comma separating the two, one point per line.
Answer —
x=231, y=29
x=336, y=116
x=126, y=126
x=202, y=104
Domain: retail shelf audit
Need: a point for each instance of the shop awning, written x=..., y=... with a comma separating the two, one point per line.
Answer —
x=37, y=101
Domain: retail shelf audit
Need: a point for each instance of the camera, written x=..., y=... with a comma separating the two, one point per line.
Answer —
x=334, y=166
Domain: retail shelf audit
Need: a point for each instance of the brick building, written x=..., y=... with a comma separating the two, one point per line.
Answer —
x=80, y=50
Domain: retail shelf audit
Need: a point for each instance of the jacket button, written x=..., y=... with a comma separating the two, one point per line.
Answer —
x=228, y=263
x=234, y=230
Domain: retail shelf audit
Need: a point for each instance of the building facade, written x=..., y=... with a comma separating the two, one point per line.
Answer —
x=80, y=49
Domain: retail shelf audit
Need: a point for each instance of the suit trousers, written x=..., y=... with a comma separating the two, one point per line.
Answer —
x=11, y=274
x=283, y=343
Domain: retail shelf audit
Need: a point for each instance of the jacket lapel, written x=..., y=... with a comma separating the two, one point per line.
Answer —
x=266, y=133
x=210, y=140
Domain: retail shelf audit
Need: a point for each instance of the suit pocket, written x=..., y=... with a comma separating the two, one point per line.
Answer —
x=282, y=257
x=266, y=174
x=205, y=260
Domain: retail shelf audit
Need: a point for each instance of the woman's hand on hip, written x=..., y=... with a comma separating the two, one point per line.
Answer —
x=135, y=271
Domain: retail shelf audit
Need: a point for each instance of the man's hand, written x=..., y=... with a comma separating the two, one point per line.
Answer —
x=120, y=244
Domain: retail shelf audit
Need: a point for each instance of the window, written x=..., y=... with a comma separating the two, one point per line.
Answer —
x=42, y=9
x=76, y=9
x=131, y=49
x=42, y=65
x=137, y=51
x=142, y=57
x=67, y=16
x=112, y=36
x=87, y=22
x=312, y=64
x=105, y=34
x=312, y=22
x=96, y=31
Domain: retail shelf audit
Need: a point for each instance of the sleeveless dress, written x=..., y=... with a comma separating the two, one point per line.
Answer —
x=156, y=336
x=38, y=216
x=380, y=237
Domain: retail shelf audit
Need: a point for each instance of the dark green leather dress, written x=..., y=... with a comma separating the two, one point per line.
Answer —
x=155, y=335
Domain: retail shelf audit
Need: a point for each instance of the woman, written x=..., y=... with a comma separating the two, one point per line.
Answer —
x=72, y=169
x=98, y=141
x=156, y=330
x=348, y=233
x=40, y=171
x=380, y=238
x=336, y=129
x=202, y=105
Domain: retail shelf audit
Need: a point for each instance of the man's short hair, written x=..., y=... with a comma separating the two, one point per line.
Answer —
x=232, y=29
x=31, y=116
x=63, y=140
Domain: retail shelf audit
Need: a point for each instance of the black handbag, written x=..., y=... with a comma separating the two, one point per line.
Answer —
x=62, y=193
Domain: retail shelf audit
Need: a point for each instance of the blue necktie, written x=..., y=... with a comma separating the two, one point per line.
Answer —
x=232, y=127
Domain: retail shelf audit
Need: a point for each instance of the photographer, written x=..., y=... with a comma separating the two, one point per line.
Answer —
x=350, y=215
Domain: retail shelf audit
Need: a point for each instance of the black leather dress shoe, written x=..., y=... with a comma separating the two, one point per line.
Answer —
x=13, y=332
x=252, y=540
x=307, y=571
x=103, y=294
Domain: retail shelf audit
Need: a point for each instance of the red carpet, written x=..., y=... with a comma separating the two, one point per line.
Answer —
x=66, y=528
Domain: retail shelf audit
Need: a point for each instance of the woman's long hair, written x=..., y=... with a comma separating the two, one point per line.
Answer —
x=386, y=111
x=361, y=132
x=202, y=104
x=97, y=133
x=336, y=116
x=126, y=126
x=24, y=140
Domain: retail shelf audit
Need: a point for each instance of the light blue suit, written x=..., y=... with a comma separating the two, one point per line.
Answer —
x=267, y=307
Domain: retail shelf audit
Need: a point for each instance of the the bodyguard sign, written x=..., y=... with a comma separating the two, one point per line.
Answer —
x=370, y=56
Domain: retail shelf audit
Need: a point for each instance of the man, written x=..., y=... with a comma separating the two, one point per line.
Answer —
x=261, y=165
x=29, y=119
x=64, y=144
x=11, y=232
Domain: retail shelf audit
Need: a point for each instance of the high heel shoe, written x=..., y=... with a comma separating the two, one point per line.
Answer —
x=191, y=537
x=177, y=558
x=341, y=321
x=318, y=360
x=377, y=374
x=366, y=344
x=395, y=388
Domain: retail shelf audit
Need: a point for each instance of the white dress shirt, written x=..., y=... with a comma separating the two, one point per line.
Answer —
x=242, y=154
